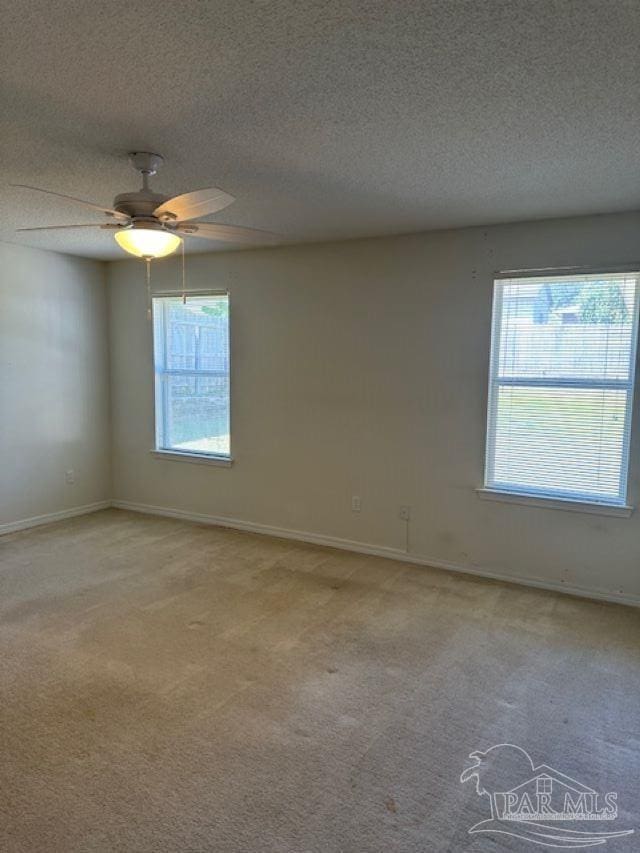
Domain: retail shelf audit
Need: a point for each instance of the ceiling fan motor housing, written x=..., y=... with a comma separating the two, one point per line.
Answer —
x=143, y=202
x=140, y=203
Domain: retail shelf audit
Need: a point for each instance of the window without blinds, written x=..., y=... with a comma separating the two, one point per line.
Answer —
x=191, y=355
x=561, y=386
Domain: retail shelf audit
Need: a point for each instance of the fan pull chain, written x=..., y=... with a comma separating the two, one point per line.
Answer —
x=184, y=277
x=148, y=263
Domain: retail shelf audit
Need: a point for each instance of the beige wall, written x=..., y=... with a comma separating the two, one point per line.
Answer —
x=360, y=368
x=54, y=405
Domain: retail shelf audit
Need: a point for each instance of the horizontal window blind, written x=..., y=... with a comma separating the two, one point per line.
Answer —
x=561, y=386
x=191, y=356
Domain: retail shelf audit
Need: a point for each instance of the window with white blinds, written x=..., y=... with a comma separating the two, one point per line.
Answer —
x=561, y=381
x=191, y=356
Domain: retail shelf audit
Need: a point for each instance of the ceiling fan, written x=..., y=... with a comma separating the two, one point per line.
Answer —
x=150, y=225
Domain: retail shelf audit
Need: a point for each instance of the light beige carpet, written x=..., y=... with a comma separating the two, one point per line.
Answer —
x=172, y=687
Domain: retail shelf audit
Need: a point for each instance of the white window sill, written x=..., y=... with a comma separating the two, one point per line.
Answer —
x=554, y=503
x=194, y=458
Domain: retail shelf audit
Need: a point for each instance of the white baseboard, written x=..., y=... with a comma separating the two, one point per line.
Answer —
x=326, y=541
x=379, y=551
x=37, y=520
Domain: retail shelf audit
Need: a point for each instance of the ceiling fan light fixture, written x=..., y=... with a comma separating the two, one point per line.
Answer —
x=147, y=242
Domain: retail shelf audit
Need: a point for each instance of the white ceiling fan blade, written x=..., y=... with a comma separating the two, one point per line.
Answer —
x=108, y=210
x=108, y=225
x=226, y=233
x=196, y=203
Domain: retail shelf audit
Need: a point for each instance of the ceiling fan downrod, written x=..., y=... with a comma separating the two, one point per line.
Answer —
x=147, y=164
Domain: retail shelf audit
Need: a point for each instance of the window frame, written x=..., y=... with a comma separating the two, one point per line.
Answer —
x=544, y=785
x=511, y=493
x=160, y=450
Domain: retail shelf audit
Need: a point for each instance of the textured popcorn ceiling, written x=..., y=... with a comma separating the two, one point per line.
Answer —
x=326, y=120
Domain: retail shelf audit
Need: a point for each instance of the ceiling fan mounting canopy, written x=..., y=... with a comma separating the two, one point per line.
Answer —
x=147, y=211
x=145, y=161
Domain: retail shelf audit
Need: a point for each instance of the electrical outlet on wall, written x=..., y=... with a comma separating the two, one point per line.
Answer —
x=405, y=513
x=70, y=477
x=356, y=504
